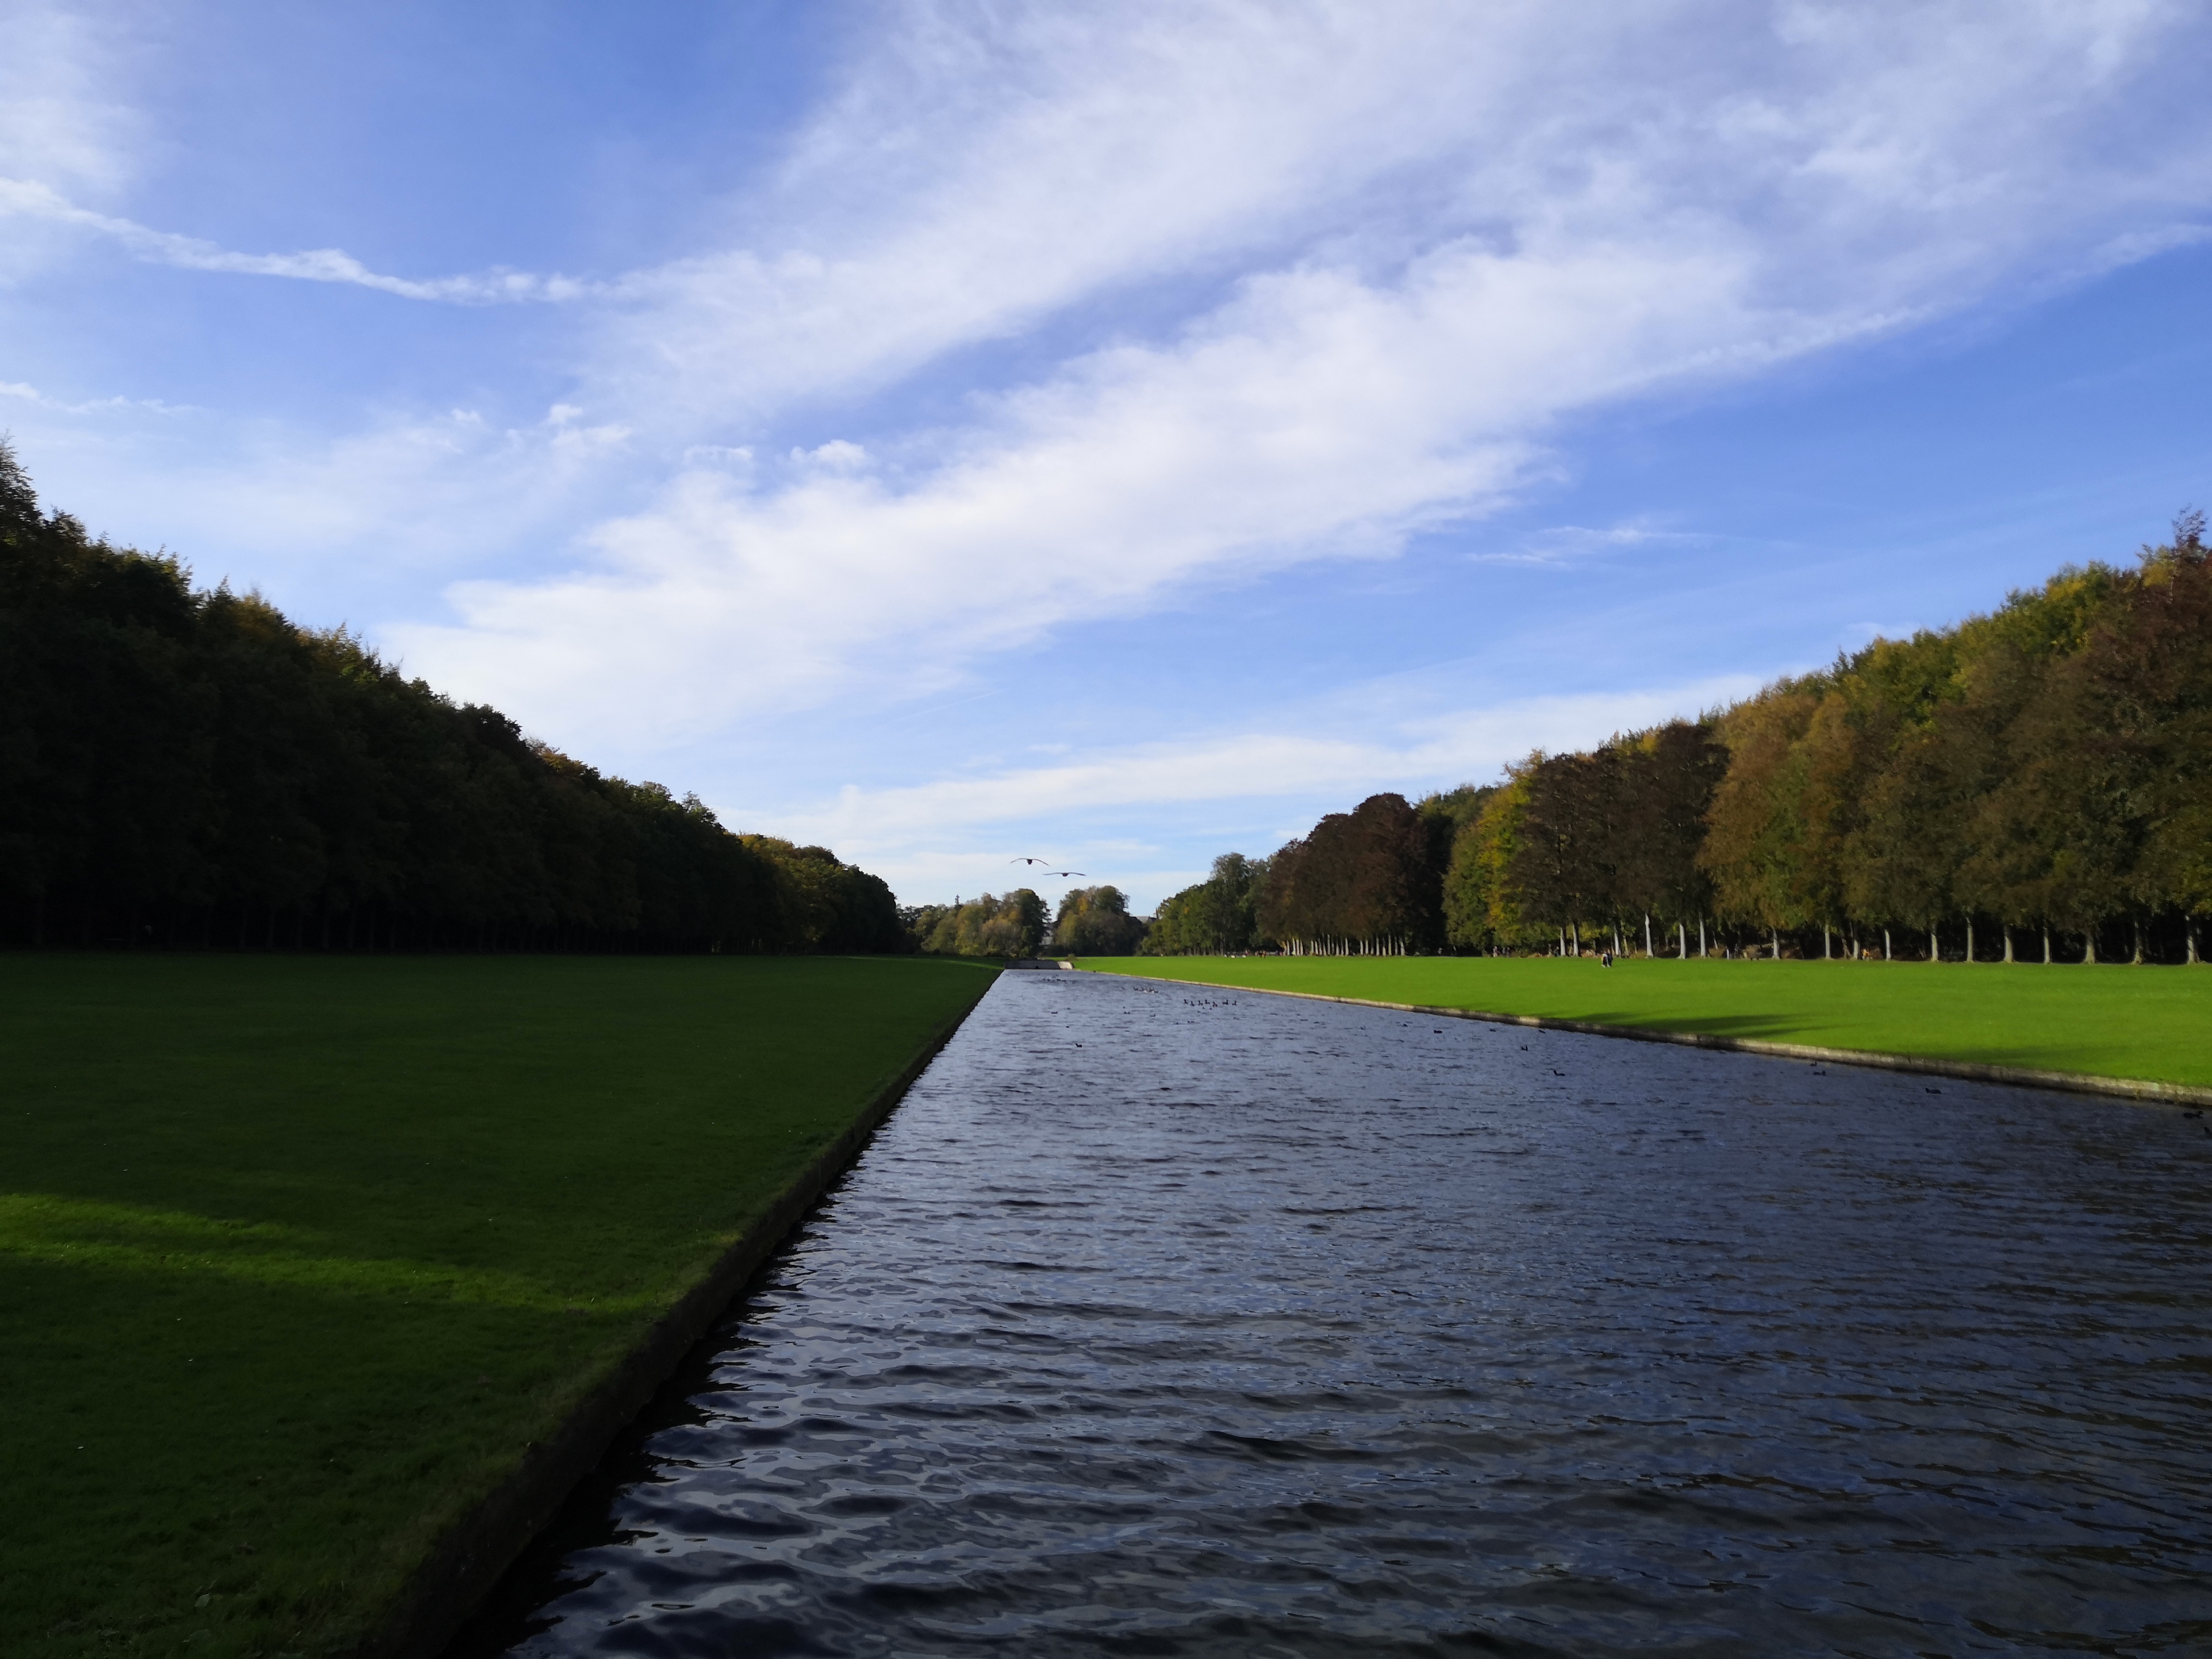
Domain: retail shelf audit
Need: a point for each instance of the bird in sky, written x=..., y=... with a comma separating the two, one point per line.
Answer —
x=1067, y=873
x=1026, y=858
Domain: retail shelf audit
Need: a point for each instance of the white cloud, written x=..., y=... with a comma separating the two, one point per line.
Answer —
x=59, y=119
x=984, y=169
x=351, y=529
x=1606, y=208
x=1292, y=281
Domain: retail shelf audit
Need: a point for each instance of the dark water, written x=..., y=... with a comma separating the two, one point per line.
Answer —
x=1169, y=1322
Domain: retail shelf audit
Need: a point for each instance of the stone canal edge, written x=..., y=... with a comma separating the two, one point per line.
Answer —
x=2080, y=1083
x=462, y=1570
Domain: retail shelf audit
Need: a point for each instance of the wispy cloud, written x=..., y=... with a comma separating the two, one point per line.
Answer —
x=29, y=199
x=1599, y=208
x=23, y=393
x=1568, y=544
x=60, y=118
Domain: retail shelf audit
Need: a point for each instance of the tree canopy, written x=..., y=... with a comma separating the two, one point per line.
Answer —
x=1095, y=921
x=188, y=767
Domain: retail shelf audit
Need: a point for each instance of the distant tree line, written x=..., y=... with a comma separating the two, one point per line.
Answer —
x=2035, y=783
x=1092, y=921
x=1013, y=926
x=183, y=768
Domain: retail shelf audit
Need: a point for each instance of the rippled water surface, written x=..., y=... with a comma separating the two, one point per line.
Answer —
x=1162, y=1320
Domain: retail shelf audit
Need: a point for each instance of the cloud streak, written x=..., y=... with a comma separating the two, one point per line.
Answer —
x=29, y=199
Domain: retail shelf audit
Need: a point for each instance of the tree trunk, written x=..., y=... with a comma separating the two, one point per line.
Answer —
x=1575, y=938
x=2089, y=948
x=1969, y=941
x=1648, y=951
x=1932, y=954
x=2191, y=930
x=1826, y=954
x=1886, y=955
x=1774, y=944
x=1682, y=943
x=2138, y=956
x=1702, y=951
x=2008, y=933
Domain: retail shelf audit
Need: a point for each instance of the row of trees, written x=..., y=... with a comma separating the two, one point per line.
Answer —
x=190, y=768
x=2044, y=771
x=1609, y=841
x=2037, y=781
x=1369, y=882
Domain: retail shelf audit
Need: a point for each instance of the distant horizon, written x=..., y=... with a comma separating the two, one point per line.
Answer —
x=942, y=433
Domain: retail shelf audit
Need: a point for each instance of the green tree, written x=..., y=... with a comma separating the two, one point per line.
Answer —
x=1095, y=921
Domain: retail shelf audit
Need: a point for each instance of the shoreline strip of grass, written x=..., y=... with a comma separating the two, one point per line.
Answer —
x=322, y=1276
x=464, y=1568
x=2132, y=1034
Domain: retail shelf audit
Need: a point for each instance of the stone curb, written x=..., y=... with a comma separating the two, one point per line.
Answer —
x=2080, y=1083
x=461, y=1570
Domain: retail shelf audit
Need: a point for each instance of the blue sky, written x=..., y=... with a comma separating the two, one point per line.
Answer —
x=1119, y=433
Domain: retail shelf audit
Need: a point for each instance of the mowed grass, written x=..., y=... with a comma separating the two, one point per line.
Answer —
x=2152, y=1023
x=298, y=1254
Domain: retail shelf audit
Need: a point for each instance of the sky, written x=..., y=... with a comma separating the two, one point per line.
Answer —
x=1114, y=434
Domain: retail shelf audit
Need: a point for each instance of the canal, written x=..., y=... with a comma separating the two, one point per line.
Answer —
x=1164, y=1320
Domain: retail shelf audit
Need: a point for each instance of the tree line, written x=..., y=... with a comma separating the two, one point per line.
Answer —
x=1090, y=921
x=2034, y=784
x=188, y=768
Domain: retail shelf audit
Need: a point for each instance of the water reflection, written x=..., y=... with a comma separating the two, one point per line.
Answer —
x=1174, y=1321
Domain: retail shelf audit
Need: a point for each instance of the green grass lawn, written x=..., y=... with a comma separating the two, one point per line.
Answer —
x=297, y=1254
x=2153, y=1022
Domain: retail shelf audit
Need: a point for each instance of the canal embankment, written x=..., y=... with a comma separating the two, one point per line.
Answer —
x=2135, y=1033
x=324, y=1277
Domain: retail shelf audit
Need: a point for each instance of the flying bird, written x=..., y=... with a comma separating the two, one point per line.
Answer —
x=1026, y=858
x=1067, y=873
